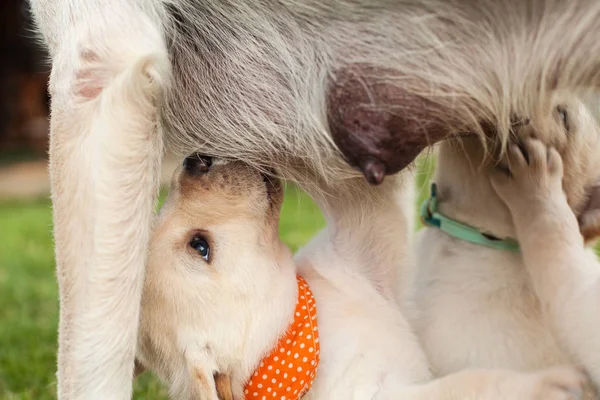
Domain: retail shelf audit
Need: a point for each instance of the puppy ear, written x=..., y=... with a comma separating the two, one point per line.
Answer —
x=589, y=218
x=223, y=385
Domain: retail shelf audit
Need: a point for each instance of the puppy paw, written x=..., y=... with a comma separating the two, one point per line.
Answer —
x=531, y=177
x=558, y=383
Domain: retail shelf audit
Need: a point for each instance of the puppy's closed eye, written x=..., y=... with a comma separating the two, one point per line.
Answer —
x=563, y=116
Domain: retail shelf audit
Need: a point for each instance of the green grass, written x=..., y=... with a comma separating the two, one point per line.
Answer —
x=29, y=298
x=28, y=301
x=16, y=155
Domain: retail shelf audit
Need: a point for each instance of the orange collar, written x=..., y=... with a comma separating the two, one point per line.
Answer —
x=289, y=370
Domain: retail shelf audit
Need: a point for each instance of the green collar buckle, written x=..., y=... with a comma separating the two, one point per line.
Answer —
x=431, y=217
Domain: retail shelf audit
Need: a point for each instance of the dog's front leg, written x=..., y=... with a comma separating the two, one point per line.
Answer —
x=105, y=154
x=565, y=276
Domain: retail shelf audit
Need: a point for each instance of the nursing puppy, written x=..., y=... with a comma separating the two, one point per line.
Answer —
x=221, y=289
x=483, y=307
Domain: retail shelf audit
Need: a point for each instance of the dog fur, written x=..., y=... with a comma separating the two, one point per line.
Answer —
x=485, y=308
x=252, y=79
x=221, y=316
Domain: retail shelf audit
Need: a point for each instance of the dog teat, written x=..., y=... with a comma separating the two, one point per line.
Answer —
x=379, y=127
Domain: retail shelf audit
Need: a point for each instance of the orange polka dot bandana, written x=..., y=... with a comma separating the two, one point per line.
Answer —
x=289, y=370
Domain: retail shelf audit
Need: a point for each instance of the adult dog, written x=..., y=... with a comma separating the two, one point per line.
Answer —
x=308, y=86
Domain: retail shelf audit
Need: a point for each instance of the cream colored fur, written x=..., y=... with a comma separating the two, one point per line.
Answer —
x=103, y=159
x=249, y=79
x=223, y=316
x=485, y=308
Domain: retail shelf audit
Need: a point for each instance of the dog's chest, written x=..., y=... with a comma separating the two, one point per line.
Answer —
x=477, y=310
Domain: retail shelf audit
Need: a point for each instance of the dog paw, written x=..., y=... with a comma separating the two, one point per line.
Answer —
x=530, y=177
x=558, y=383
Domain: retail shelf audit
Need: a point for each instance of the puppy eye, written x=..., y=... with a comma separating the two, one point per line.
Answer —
x=200, y=244
x=564, y=116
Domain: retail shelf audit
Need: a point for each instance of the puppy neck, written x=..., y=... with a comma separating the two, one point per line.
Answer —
x=465, y=191
x=291, y=365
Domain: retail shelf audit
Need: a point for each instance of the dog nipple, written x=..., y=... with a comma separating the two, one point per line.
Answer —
x=373, y=170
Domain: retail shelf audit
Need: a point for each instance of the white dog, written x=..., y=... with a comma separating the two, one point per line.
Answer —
x=225, y=316
x=312, y=88
x=515, y=287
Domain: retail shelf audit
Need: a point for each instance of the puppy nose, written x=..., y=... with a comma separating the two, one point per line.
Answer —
x=197, y=164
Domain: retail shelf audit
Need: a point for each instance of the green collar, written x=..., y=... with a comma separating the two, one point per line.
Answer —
x=430, y=217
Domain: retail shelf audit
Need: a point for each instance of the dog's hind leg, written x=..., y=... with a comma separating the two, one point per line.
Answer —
x=559, y=383
x=107, y=80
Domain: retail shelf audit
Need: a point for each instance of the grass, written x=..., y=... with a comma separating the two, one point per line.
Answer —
x=15, y=155
x=29, y=298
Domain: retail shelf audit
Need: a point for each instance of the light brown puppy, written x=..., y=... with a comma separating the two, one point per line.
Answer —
x=487, y=308
x=215, y=248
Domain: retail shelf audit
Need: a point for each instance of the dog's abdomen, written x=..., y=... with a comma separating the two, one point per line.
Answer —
x=252, y=78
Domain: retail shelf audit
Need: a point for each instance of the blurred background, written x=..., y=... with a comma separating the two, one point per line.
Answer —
x=28, y=289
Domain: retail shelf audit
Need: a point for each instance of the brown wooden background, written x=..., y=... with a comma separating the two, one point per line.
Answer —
x=23, y=83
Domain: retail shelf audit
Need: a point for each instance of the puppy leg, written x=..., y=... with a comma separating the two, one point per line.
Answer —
x=565, y=276
x=104, y=165
x=560, y=383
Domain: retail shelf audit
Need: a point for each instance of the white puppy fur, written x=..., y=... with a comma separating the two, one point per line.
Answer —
x=220, y=315
x=251, y=79
x=486, y=308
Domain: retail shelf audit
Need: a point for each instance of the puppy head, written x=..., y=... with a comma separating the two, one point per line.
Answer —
x=216, y=267
x=213, y=192
x=573, y=129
